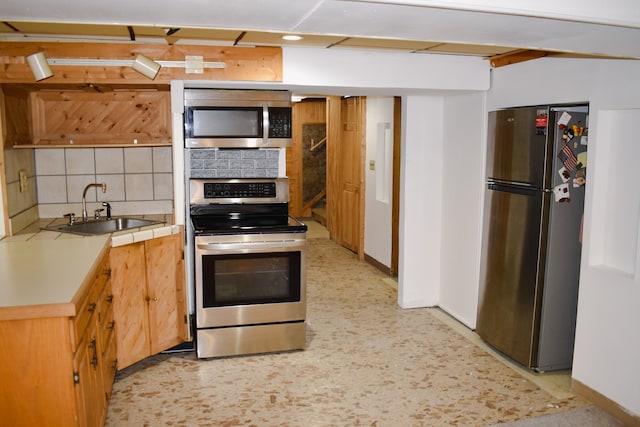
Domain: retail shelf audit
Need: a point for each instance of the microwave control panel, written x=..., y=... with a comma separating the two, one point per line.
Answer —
x=279, y=122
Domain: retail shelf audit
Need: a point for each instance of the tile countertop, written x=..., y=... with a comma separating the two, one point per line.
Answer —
x=41, y=271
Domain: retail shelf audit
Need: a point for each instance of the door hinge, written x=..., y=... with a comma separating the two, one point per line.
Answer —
x=185, y=319
x=76, y=377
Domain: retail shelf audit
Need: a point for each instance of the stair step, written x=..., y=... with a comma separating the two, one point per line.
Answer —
x=319, y=215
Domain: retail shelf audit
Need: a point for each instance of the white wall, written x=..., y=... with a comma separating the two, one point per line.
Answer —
x=377, y=217
x=420, y=201
x=462, y=187
x=361, y=72
x=607, y=345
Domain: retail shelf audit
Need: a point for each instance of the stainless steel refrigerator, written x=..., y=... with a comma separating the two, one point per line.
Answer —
x=532, y=231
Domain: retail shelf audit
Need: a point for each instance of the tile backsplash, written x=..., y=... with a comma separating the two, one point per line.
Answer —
x=233, y=163
x=139, y=180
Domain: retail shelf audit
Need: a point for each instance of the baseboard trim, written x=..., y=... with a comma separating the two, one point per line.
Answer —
x=377, y=264
x=605, y=404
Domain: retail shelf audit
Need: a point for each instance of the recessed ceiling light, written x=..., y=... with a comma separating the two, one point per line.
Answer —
x=292, y=37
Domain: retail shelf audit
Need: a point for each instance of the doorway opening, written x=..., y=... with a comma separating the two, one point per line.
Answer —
x=333, y=167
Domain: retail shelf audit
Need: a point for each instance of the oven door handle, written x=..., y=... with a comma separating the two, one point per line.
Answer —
x=249, y=245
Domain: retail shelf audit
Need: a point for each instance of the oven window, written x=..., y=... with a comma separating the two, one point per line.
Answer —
x=250, y=278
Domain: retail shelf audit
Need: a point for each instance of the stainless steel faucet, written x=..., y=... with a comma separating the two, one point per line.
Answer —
x=85, y=216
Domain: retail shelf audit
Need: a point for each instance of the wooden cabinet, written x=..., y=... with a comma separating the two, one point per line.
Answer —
x=90, y=399
x=149, y=297
x=52, y=367
x=107, y=341
x=86, y=116
x=125, y=117
x=94, y=373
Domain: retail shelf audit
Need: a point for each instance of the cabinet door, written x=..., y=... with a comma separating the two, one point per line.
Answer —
x=165, y=281
x=36, y=372
x=90, y=398
x=107, y=340
x=128, y=281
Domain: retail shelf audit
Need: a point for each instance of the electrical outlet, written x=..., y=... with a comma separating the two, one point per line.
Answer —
x=24, y=184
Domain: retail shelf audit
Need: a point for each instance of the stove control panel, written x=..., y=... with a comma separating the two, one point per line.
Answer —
x=239, y=190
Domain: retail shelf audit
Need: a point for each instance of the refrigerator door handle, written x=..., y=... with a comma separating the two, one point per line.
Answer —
x=511, y=188
x=509, y=183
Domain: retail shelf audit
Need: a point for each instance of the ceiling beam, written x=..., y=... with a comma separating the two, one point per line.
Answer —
x=516, y=56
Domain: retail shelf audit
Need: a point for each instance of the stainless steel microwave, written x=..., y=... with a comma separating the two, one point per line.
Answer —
x=229, y=118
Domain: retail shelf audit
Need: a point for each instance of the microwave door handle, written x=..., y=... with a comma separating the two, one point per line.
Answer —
x=265, y=124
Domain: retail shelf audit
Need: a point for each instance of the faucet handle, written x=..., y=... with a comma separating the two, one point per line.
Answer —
x=108, y=206
x=72, y=218
x=96, y=213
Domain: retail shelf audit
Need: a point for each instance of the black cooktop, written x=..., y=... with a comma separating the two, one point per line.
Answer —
x=244, y=218
x=217, y=225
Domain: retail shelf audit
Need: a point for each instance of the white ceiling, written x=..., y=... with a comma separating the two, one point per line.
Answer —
x=476, y=27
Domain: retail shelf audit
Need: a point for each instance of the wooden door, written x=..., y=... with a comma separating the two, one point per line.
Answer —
x=165, y=281
x=129, y=283
x=345, y=180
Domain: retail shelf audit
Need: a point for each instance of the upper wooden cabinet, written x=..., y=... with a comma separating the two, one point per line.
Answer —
x=82, y=116
x=124, y=117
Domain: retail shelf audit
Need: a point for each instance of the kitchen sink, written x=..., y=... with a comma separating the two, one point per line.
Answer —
x=102, y=226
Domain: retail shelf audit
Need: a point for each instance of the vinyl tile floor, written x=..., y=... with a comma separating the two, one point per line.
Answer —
x=367, y=363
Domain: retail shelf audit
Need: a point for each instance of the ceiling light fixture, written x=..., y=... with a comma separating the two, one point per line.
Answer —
x=291, y=37
x=146, y=66
x=39, y=66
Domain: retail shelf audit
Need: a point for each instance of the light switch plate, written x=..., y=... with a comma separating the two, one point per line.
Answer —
x=372, y=165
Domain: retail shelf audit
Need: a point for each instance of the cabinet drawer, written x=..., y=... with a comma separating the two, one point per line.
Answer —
x=92, y=302
x=88, y=307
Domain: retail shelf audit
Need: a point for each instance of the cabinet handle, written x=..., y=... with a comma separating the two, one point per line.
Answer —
x=154, y=299
x=114, y=365
x=109, y=298
x=107, y=272
x=112, y=324
x=94, y=348
x=92, y=307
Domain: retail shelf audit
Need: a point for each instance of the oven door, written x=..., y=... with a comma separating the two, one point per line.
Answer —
x=250, y=279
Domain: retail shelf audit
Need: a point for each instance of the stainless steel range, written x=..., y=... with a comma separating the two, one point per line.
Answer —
x=250, y=268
